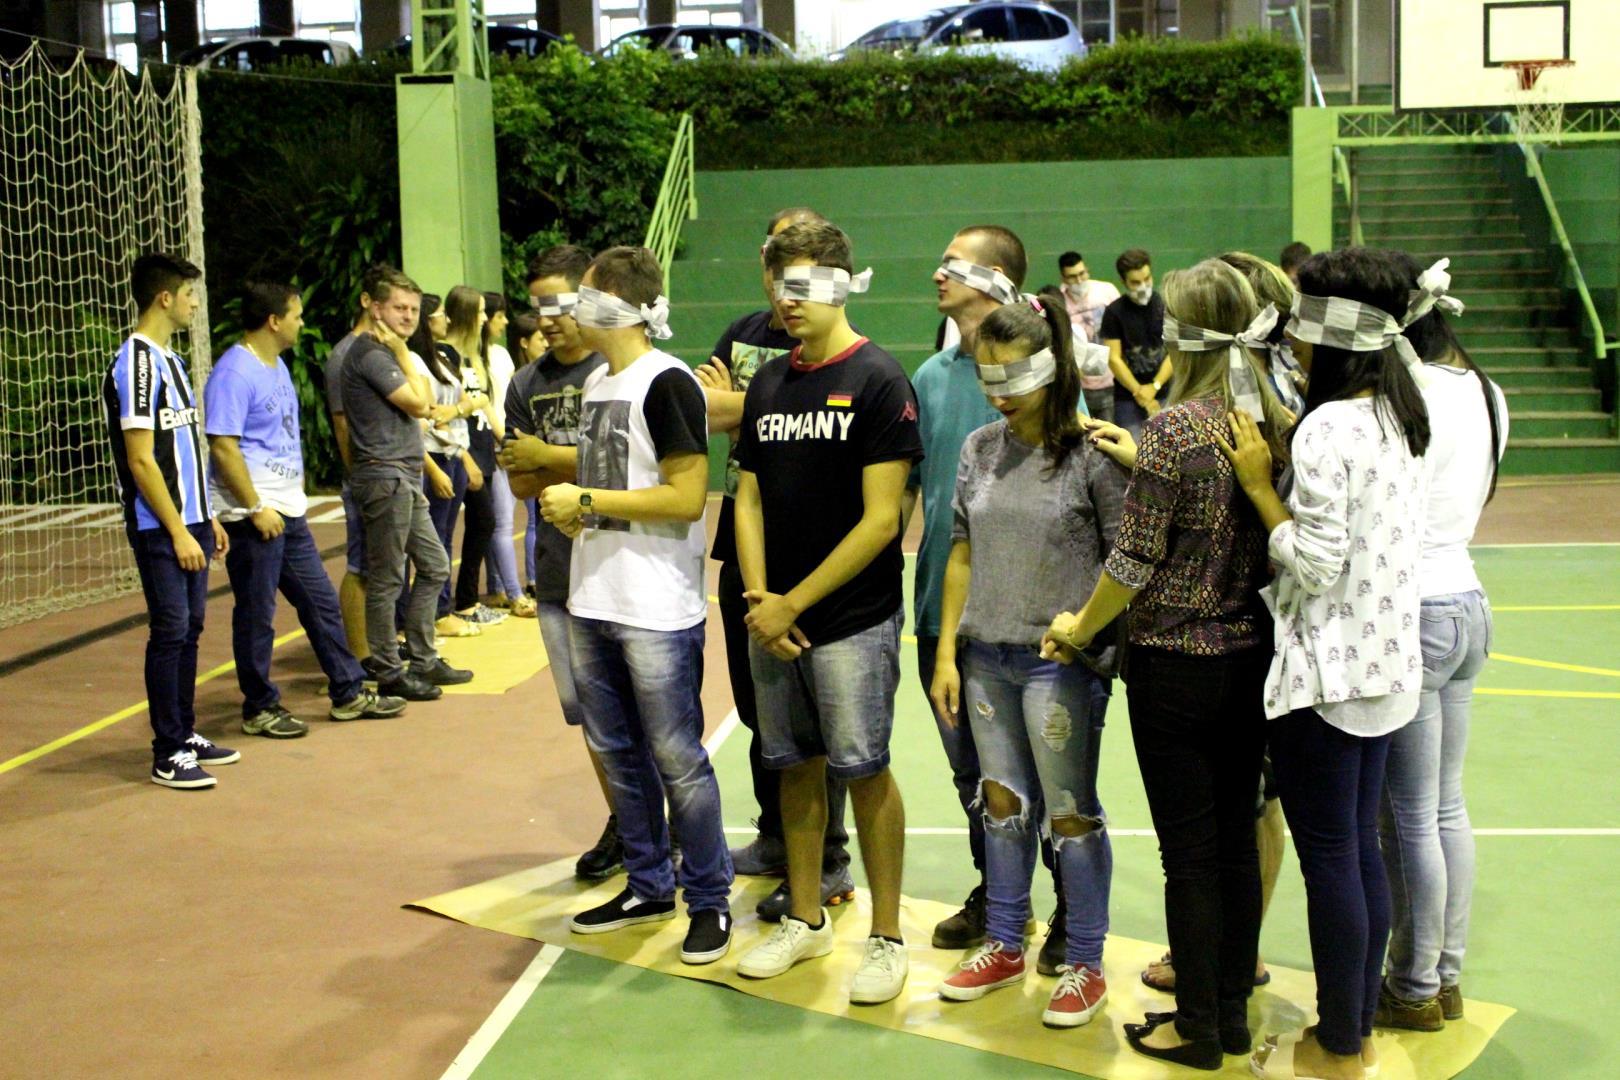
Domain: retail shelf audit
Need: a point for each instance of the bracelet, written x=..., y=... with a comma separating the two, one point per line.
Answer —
x=255, y=508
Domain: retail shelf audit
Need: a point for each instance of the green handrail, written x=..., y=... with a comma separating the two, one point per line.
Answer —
x=677, y=199
x=1602, y=348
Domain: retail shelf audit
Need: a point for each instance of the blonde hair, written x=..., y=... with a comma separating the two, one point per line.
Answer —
x=1270, y=284
x=1215, y=296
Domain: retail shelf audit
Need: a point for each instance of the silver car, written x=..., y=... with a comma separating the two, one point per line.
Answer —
x=1034, y=35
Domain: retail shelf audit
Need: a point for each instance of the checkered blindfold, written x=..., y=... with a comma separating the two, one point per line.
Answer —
x=1240, y=374
x=554, y=304
x=988, y=280
x=604, y=311
x=819, y=284
x=1019, y=376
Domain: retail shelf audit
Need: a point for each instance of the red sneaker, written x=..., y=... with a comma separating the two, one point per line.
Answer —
x=1080, y=992
x=991, y=967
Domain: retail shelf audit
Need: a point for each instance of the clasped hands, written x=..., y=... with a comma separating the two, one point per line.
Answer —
x=772, y=621
x=1063, y=640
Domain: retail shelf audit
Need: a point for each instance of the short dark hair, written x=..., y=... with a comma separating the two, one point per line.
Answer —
x=155, y=273
x=1000, y=247
x=821, y=241
x=262, y=299
x=1293, y=255
x=798, y=214
x=380, y=280
x=565, y=260
x=1131, y=259
x=630, y=273
x=1069, y=258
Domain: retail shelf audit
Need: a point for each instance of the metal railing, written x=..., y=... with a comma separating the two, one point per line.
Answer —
x=1602, y=348
x=677, y=199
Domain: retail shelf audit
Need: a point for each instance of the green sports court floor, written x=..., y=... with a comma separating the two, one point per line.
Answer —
x=1542, y=796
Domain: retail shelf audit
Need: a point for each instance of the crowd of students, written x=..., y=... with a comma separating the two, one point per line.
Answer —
x=1248, y=493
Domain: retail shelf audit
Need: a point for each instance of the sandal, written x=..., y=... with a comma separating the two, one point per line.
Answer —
x=1279, y=1060
x=1167, y=985
x=523, y=608
x=452, y=626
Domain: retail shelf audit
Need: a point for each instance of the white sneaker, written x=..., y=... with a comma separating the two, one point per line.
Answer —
x=790, y=942
x=882, y=974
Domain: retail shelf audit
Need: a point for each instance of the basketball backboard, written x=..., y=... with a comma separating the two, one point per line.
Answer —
x=1451, y=54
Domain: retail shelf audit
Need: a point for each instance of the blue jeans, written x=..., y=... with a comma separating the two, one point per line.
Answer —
x=175, y=603
x=531, y=535
x=1330, y=782
x=1038, y=728
x=960, y=752
x=554, y=619
x=835, y=701
x=354, y=532
x=639, y=690
x=443, y=512
x=501, y=562
x=1428, y=842
x=290, y=563
x=1131, y=416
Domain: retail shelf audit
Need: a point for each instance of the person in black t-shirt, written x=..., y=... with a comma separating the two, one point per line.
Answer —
x=828, y=437
x=747, y=344
x=1133, y=330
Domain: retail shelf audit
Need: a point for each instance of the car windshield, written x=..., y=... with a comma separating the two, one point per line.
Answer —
x=902, y=32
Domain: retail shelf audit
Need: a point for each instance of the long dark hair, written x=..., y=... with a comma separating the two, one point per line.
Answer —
x=421, y=340
x=494, y=303
x=519, y=329
x=1436, y=342
x=1048, y=328
x=1376, y=278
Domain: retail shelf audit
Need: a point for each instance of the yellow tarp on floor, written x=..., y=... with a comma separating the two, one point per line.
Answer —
x=536, y=904
x=504, y=655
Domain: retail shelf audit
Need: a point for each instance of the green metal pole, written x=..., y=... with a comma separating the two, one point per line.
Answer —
x=1313, y=131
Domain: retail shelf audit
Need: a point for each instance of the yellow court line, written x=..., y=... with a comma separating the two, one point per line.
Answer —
x=1553, y=665
x=124, y=714
x=1555, y=607
x=1581, y=695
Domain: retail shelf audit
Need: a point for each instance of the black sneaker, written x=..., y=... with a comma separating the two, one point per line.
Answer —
x=368, y=705
x=965, y=929
x=626, y=909
x=180, y=770
x=708, y=938
x=209, y=754
x=411, y=687
x=606, y=858
x=837, y=887
x=440, y=673
x=1056, y=944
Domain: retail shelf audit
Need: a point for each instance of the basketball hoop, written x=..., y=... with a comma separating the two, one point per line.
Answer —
x=1540, y=114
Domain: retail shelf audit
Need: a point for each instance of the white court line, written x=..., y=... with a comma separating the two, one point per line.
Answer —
x=959, y=831
x=491, y=1030
x=330, y=515
x=1573, y=544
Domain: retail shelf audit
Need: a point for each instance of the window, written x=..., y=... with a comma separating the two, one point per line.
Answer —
x=1029, y=24
x=977, y=27
x=314, y=52
x=1097, y=21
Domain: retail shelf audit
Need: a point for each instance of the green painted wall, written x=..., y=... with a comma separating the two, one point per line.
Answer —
x=1585, y=183
x=901, y=219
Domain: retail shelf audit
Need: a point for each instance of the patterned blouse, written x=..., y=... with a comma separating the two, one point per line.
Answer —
x=1190, y=540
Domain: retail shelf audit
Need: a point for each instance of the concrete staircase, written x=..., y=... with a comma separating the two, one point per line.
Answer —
x=1519, y=326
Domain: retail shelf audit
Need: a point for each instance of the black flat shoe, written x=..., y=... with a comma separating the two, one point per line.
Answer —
x=1198, y=1054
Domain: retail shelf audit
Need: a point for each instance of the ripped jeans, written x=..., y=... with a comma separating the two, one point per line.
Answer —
x=1038, y=727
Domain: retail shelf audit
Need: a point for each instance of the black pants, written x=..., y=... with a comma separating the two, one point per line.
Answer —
x=1199, y=728
x=176, y=601
x=478, y=527
x=1331, y=783
x=768, y=782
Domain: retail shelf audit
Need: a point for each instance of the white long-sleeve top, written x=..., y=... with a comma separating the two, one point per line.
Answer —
x=1345, y=600
x=1459, y=466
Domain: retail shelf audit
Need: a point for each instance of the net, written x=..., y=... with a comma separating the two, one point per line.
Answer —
x=96, y=166
x=1540, y=111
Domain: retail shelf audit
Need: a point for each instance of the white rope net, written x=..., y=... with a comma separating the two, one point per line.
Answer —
x=96, y=167
x=1539, y=111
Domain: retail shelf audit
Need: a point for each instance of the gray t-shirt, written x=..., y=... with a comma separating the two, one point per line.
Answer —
x=334, y=372
x=544, y=400
x=385, y=441
x=1038, y=537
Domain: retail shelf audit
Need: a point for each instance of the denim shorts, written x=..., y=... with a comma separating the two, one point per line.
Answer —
x=354, y=532
x=835, y=701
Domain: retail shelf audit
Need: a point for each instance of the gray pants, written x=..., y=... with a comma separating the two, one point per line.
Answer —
x=1100, y=403
x=397, y=527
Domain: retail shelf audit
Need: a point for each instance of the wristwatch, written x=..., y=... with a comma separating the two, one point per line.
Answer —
x=585, y=502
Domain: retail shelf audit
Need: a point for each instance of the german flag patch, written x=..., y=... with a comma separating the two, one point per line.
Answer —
x=840, y=401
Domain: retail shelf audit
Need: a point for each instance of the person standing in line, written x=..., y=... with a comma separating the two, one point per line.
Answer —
x=637, y=602
x=1086, y=299
x=258, y=485
x=156, y=440
x=1272, y=286
x=829, y=433
x=1292, y=256
x=1133, y=329
x=506, y=591
x=1189, y=562
x=1036, y=509
x=1427, y=840
x=385, y=398
x=541, y=448
x=464, y=336
x=1348, y=670
x=747, y=344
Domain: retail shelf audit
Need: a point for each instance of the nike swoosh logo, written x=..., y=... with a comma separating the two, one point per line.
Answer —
x=165, y=775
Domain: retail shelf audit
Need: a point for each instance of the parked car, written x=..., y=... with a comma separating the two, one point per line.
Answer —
x=254, y=53
x=685, y=42
x=1032, y=34
x=504, y=39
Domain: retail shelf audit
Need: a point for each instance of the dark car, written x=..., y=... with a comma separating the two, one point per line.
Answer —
x=685, y=42
x=504, y=40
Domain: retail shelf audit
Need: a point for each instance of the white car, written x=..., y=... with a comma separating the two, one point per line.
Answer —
x=256, y=53
x=1032, y=34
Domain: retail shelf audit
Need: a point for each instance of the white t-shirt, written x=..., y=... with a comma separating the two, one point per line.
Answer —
x=501, y=370
x=451, y=438
x=1459, y=467
x=647, y=574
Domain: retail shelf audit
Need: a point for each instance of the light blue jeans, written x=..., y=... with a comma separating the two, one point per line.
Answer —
x=1428, y=843
x=1038, y=728
x=501, y=564
x=553, y=619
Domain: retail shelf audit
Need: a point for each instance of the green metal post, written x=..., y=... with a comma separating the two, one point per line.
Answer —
x=1313, y=131
x=449, y=211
